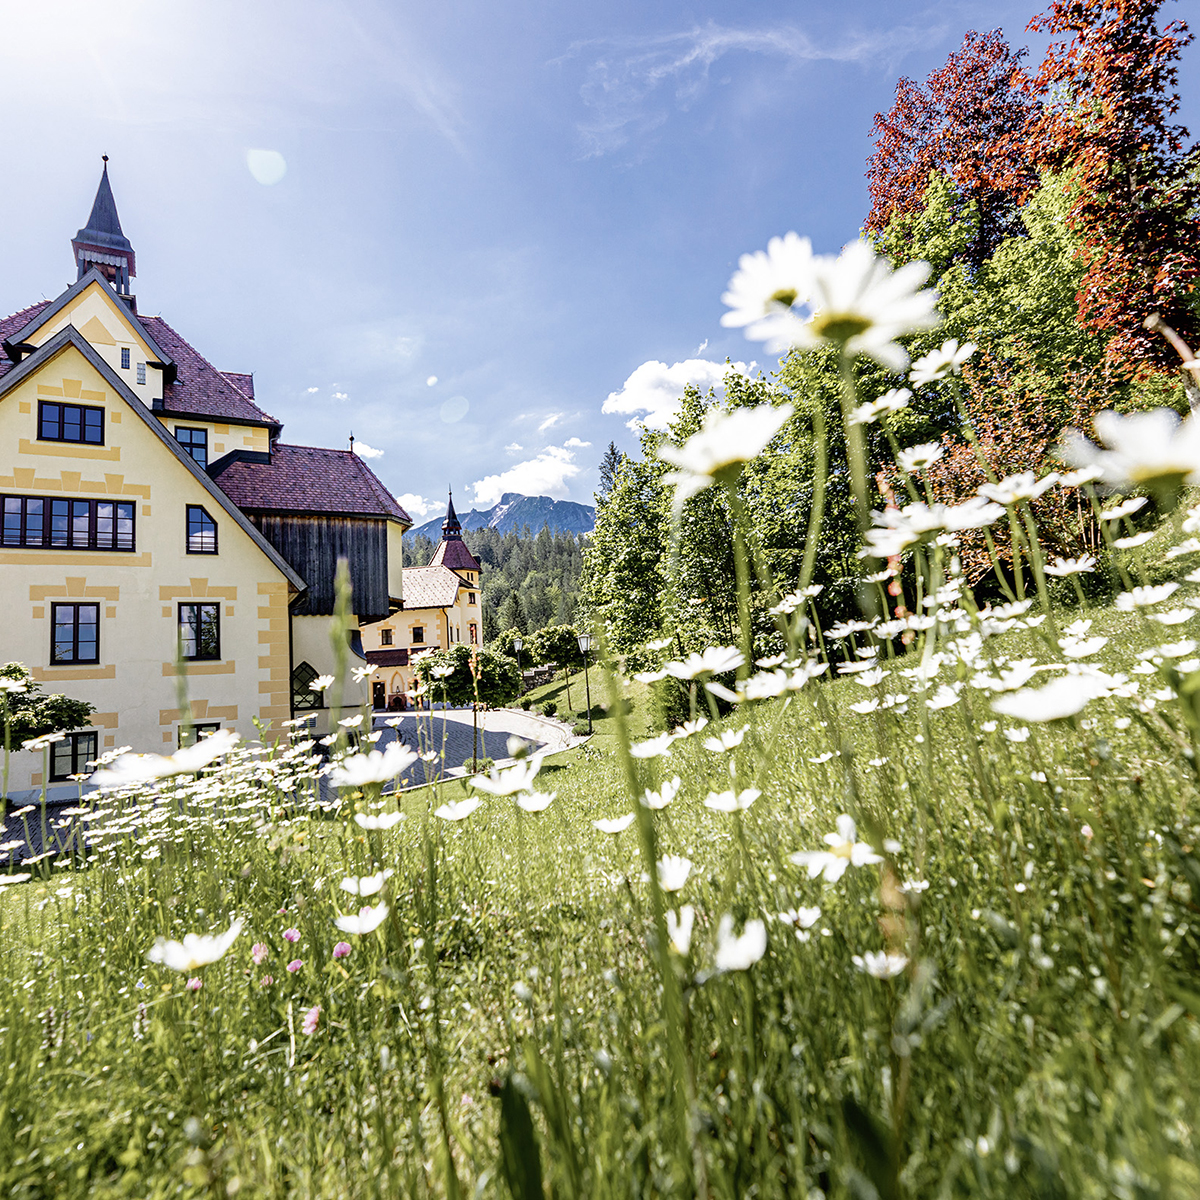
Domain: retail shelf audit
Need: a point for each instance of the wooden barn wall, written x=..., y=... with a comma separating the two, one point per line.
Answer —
x=313, y=545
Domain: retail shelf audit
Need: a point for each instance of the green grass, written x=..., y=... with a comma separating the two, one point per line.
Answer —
x=1043, y=1039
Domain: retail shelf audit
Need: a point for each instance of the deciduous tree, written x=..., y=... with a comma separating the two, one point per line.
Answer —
x=1108, y=86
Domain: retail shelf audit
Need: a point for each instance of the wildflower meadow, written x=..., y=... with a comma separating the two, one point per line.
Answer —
x=904, y=904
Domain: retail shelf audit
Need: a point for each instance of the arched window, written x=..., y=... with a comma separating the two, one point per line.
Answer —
x=304, y=695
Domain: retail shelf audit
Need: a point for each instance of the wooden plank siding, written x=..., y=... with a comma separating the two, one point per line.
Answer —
x=312, y=546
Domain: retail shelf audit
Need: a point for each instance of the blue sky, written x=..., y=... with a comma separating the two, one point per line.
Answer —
x=531, y=204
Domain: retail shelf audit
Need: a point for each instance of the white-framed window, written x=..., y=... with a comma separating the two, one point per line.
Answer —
x=141, y=372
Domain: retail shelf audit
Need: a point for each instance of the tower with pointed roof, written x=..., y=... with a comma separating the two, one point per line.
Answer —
x=101, y=242
x=452, y=551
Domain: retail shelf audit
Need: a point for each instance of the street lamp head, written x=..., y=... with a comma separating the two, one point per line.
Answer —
x=517, y=644
x=585, y=642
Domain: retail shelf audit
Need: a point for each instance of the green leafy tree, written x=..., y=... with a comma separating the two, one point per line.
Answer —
x=624, y=577
x=32, y=713
x=471, y=675
x=558, y=644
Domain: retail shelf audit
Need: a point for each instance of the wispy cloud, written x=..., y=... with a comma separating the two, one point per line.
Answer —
x=576, y=443
x=552, y=419
x=632, y=84
x=365, y=451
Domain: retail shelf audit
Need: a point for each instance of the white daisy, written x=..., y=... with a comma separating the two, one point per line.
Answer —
x=365, y=921
x=739, y=953
x=767, y=288
x=844, y=851
x=859, y=303
x=948, y=359
x=918, y=458
x=196, y=950
x=1153, y=448
x=880, y=964
x=727, y=440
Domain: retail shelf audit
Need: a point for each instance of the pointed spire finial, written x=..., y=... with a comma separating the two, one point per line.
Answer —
x=101, y=243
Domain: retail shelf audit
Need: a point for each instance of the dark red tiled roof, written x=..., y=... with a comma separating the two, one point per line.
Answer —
x=14, y=324
x=199, y=388
x=308, y=479
x=453, y=553
x=388, y=658
x=244, y=383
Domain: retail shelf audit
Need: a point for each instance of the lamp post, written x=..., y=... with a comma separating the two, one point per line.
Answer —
x=585, y=644
x=518, y=645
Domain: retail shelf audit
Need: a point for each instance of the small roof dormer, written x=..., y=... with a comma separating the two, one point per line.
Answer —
x=102, y=244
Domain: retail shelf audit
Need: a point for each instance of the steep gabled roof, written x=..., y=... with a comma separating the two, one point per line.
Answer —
x=305, y=479
x=70, y=336
x=430, y=587
x=12, y=325
x=199, y=389
x=453, y=553
x=43, y=314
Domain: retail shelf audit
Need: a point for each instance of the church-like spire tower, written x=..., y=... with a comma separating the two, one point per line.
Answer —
x=101, y=244
x=450, y=526
x=452, y=551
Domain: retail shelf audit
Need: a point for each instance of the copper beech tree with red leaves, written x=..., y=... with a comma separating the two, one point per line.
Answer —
x=1098, y=114
x=967, y=121
x=1108, y=92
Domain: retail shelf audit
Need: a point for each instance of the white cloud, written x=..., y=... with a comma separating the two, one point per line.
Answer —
x=576, y=443
x=365, y=451
x=656, y=389
x=341, y=395
x=417, y=506
x=311, y=390
x=552, y=419
x=700, y=349
x=544, y=475
x=431, y=381
x=513, y=447
x=624, y=84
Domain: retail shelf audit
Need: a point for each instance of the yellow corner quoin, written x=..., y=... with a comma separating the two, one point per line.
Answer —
x=104, y=408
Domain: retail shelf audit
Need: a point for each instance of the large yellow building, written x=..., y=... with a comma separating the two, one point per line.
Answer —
x=442, y=605
x=150, y=509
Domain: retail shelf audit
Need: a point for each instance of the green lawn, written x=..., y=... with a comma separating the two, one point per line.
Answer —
x=517, y=1013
